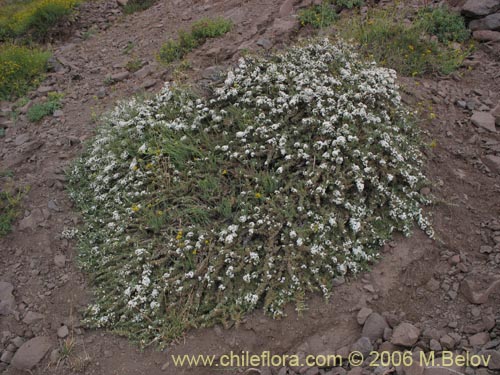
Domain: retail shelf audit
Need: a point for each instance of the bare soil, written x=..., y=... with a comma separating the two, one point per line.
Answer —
x=417, y=280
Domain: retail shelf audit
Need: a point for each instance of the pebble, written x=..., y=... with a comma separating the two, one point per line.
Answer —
x=405, y=334
x=30, y=353
x=62, y=332
x=374, y=327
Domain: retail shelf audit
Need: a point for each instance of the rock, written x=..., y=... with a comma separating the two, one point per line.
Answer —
x=492, y=162
x=435, y=346
x=264, y=43
x=30, y=353
x=363, y=315
x=143, y=72
x=32, y=317
x=286, y=8
x=62, y=332
x=54, y=355
x=491, y=22
x=18, y=341
x=31, y=221
x=496, y=114
x=447, y=342
x=363, y=345
x=149, y=83
x=122, y=3
x=118, y=77
x=405, y=334
x=387, y=334
x=477, y=298
x=214, y=73
x=494, y=363
x=374, y=327
x=21, y=139
x=60, y=260
x=480, y=8
x=432, y=285
x=486, y=36
x=7, y=300
x=58, y=113
x=479, y=339
x=6, y=356
x=483, y=120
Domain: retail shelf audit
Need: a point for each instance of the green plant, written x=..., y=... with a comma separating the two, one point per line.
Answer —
x=35, y=17
x=349, y=4
x=133, y=6
x=200, y=31
x=199, y=210
x=408, y=48
x=21, y=68
x=39, y=110
x=133, y=65
x=9, y=208
x=446, y=25
x=318, y=16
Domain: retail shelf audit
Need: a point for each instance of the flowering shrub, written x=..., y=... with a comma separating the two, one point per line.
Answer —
x=199, y=211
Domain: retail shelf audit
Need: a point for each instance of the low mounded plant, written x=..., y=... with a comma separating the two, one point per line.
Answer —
x=21, y=68
x=318, y=16
x=446, y=25
x=198, y=211
x=200, y=31
x=133, y=6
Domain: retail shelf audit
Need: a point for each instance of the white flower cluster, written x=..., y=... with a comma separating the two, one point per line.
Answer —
x=296, y=171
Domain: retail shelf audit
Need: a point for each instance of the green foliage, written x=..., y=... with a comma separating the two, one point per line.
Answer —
x=200, y=31
x=46, y=108
x=409, y=48
x=9, y=209
x=349, y=4
x=199, y=210
x=446, y=25
x=134, y=65
x=318, y=16
x=21, y=68
x=133, y=6
x=34, y=18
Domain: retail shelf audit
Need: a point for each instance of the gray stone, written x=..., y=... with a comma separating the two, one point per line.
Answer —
x=7, y=300
x=405, y=334
x=486, y=36
x=447, y=342
x=491, y=22
x=492, y=162
x=480, y=8
x=363, y=345
x=494, y=363
x=435, y=346
x=479, y=339
x=374, y=327
x=363, y=315
x=483, y=120
x=264, y=43
x=6, y=356
x=30, y=353
x=62, y=332
x=18, y=341
x=32, y=317
x=496, y=114
x=117, y=77
x=60, y=260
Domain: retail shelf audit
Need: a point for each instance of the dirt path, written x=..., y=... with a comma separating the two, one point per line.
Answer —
x=418, y=280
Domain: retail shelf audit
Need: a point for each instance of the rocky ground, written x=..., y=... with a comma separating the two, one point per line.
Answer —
x=423, y=295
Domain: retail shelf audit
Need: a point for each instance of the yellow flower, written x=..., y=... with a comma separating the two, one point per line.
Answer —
x=135, y=208
x=159, y=212
x=195, y=252
x=149, y=165
x=432, y=116
x=224, y=172
x=179, y=235
x=258, y=195
x=411, y=48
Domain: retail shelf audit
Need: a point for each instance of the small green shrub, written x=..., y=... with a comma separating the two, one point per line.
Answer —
x=318, y=16
x=9, y=209
x=408, y=48
x=349, y=4
x=200, y=31
x=444, y=24
x=21, y=68
x=35, y=18
x=210, y=28
x=133, y=65
x=40, y=110
x=133, y=6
